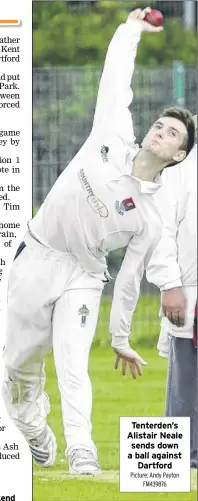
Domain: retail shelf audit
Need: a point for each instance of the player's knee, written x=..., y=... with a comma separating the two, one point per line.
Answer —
x=19, y=386
x=10, y=389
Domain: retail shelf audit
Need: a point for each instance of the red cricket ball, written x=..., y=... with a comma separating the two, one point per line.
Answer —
x=154, y=17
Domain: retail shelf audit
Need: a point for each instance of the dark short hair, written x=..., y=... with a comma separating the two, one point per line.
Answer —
x=186, y=117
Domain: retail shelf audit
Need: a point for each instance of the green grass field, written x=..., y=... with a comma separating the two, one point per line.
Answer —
x=113, y=396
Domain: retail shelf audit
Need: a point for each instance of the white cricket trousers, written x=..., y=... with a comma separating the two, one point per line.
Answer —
x=52, y=303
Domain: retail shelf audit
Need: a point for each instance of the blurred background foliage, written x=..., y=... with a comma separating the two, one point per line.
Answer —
x=62, y=35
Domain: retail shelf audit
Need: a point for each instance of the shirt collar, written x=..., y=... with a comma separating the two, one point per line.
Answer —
x=149, y=186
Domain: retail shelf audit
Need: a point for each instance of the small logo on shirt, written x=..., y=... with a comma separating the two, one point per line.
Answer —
x=104, y=153
x=125, y=205
x=84, y=312
x=94, y=202
x=98, y=206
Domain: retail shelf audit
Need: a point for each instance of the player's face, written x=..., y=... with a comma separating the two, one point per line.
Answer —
x=166, y=139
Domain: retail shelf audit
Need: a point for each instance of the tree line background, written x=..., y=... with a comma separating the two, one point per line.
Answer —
x=78, y=33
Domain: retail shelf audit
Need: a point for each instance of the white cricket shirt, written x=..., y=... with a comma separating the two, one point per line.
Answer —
x=174, y=261
x=96, y=205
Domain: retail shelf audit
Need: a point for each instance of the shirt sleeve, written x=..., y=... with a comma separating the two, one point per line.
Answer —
x=163, y=269
x=115, y=94
x=127, y=284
